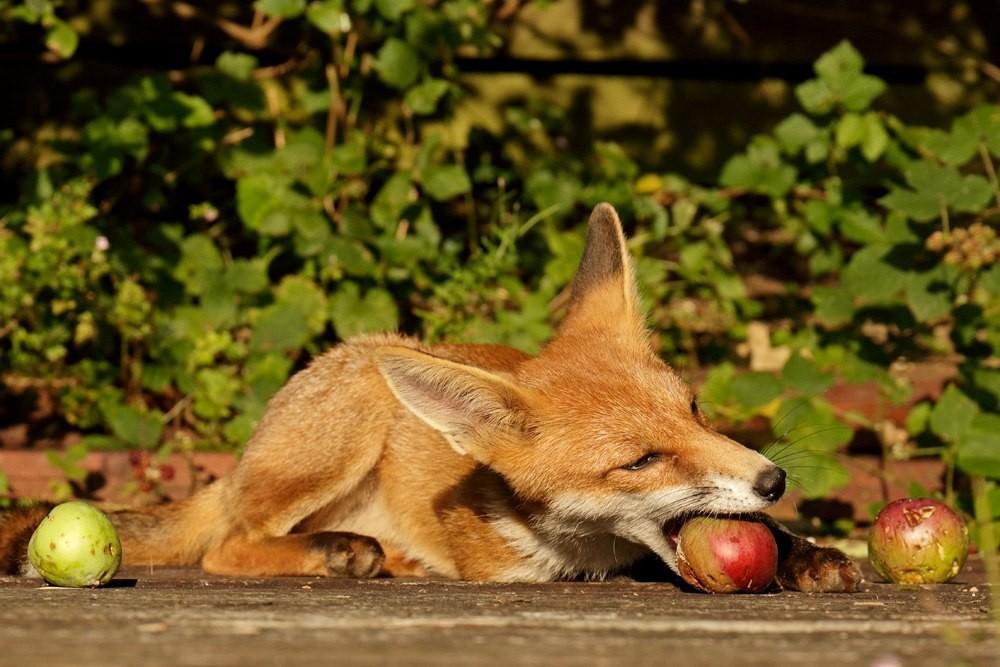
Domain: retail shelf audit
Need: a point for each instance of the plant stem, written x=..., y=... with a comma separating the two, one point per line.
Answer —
x=987, y=542
x=944, y=215
x=990, y=170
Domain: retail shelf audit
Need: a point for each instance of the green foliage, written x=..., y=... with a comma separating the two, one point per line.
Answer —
x=182, y=244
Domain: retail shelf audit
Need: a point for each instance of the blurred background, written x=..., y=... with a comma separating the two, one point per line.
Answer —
x=195, y=198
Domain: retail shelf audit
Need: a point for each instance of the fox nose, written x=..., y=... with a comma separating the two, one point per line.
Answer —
x=770, y=484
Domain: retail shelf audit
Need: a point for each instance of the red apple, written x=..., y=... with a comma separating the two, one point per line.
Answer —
x=918, y=541
x=727, y=555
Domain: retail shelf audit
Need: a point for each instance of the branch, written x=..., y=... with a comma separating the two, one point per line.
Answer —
x=253, y=38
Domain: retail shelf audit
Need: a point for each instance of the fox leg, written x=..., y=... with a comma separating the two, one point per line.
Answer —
x=315, y=449
x=803, y=566
x=304, y=554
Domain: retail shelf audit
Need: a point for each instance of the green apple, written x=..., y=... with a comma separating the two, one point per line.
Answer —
x=75, y=545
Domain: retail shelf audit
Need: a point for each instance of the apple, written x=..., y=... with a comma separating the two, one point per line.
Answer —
x=918, y=541
x=727, y=555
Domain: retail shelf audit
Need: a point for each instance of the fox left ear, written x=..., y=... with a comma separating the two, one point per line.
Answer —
x=603, y=293
x=472, y=408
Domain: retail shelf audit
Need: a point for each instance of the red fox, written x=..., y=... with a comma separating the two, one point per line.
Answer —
x=389, y=457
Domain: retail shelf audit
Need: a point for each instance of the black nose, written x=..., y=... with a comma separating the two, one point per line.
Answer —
x=770, y=484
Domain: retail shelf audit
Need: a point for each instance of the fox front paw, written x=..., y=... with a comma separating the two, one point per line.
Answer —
x=813, y=569
x=350, y=555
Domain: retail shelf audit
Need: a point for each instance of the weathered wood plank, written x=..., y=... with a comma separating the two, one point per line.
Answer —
x=181, y=617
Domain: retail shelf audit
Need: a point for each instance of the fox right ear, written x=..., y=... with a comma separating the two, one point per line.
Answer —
x=603, y=292
x=472, y=408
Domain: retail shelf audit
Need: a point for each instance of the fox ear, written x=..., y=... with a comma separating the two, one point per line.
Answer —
x=603, y=293
x=472, y=408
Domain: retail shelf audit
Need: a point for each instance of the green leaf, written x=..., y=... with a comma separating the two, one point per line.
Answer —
x=860, y=226
x=950, y=147
x=972, y=195
x=795, y=132
x=920, y=206
x=868, y=275
x=265, y=375
x=350, y=157
x=329, y=16
x=199, y=112
x=134, y=427
x=248, y=276
x=239, y=429
x=444, y=182
x=279, y=327
x=350, y=256
x=842, y=62
x=388, y=205
x=285, y=9
x=918, y=418
x=875, y=137
x=834, y=305
x=215, y=391
x=61, y=38
x=303, y=295
x=200, y=262
x=752, y=390
x=850, y=130
x=547, y=189
x=935, y=185
x=397, y=63
x=393, y=10
x=803, y=374
x=952, y=415
x=929, y=295
x=809, y=424
x=353, y=314
x=760, y=169
x=982, y=124
x=817, y=150
x=237, y=65
x=423, y=98
x=859, y=93
x=815, y=97
x=979, y=448
x=840, y=80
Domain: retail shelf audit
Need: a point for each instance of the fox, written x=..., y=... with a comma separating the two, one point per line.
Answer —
x=389, y=457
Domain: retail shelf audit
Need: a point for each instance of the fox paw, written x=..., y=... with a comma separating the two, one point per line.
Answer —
x=350, y=555
x=813, y=569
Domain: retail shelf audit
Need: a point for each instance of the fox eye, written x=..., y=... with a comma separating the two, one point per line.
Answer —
x=642, y=462
x=695, y=408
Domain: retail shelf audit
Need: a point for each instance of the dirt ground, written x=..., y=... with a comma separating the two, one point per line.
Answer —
x=182, y=617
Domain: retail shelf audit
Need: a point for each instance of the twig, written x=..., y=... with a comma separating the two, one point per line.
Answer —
x=281, y=69
x=23, y=382
x=7, y=328
x=274, y=108
x=254, y=37
x=177, y=408
x=990, y=170
x=336, y=105
x=990, y=70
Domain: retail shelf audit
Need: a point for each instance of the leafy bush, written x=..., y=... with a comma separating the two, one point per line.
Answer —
x=184, y=243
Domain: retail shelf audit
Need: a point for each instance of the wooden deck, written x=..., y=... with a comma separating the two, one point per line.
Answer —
x=182, y=617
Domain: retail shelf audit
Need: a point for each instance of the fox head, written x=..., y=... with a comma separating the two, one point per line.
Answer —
x=597, y=429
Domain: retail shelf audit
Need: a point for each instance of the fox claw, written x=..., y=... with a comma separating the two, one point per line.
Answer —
x=813, y=569
x=350, y=555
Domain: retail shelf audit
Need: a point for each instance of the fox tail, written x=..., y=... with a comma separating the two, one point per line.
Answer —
x=177, y=533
